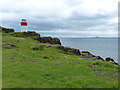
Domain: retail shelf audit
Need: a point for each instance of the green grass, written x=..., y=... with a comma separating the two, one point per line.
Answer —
x=25, y=67
x=0, y=60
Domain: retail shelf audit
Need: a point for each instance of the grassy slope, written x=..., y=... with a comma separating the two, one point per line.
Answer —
x=52, y=68
x=0, y=61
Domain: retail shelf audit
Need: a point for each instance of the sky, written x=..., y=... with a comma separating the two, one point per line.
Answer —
x=62, y=18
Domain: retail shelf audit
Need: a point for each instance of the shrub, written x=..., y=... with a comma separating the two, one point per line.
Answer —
x=96, y=63
x=37, y=48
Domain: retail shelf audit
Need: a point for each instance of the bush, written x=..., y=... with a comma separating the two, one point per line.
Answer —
x=37, y=48
x=96, y=63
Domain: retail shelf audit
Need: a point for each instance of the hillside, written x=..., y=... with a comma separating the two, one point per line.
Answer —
x=0, y=60
x=31, y=63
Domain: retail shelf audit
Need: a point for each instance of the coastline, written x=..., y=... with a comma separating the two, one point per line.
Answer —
x=27, y=54
x=85, y=54
x=98, y=47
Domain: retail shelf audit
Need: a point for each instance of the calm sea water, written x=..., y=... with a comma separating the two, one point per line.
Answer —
x=99, y=47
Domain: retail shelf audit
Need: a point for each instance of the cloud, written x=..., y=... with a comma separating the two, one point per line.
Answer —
x=89, y=17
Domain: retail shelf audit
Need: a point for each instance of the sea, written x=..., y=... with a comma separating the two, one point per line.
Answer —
x=97, y=46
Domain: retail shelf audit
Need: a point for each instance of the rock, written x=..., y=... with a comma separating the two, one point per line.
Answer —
x=85, y=53
x=115, y=63
x=26, y=34
x=88, y=54
x=37, y=37
x=48, y=40
x=68, y=50
x=10, y=46
x=109, y=59
x=17, y=40
x=30, y=33
x=42, y=46
x=90, y=65
x=99, y=58
x=56, y=45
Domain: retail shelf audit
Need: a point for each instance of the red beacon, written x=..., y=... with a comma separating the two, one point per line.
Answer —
x=24, y=25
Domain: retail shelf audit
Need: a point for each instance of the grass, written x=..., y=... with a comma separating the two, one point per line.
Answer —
x=25, y=67
x=0, y=60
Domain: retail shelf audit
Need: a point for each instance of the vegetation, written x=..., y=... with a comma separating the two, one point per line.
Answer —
x=0, y=60
x=31, y=64
x=6, y=30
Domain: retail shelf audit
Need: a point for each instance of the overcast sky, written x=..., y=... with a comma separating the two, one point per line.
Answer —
x=63, y=18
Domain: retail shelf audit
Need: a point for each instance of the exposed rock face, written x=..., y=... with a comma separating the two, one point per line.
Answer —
x=30, y=33
x=69, y=50
x=48, y=40
x=109, y=59
x=37, y=37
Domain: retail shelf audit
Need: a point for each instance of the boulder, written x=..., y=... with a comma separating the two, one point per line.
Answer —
x=10, y=46
x=115, y=63
x=109, y=59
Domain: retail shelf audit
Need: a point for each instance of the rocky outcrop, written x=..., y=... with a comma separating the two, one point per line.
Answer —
x=6, y=30
x=48, y=40
x=31, y=33
x=25, y=34
x=36, y=36
x=109, y=59
x=69, y=50
x=88, y=54
x=99, y=58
